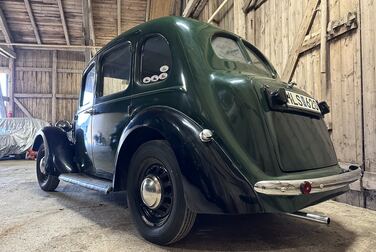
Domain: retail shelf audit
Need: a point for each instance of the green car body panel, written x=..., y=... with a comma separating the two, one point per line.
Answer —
x=229, y=98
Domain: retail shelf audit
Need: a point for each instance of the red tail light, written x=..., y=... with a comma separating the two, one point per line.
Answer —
x=305, y=187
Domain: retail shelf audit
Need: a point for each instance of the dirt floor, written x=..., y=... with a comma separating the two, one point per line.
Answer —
x=76, y=219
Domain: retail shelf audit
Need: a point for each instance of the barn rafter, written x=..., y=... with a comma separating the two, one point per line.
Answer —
x=32, y=21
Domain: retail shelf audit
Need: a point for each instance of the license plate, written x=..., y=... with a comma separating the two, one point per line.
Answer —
x=295, y=100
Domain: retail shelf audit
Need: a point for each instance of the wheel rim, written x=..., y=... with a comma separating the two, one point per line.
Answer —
x=42, y=173
x=155, y=195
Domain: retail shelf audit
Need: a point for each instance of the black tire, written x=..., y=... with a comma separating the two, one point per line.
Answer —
x=46, y=182
x=172, y=219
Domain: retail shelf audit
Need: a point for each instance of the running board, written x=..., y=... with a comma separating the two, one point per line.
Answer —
x=91, y=183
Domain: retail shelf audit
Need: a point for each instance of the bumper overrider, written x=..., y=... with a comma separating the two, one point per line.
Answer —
x=309, y=186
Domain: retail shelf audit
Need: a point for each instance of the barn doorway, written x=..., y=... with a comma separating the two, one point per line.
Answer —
x=3, y=94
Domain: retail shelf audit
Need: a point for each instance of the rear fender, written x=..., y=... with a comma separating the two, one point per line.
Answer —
x=211, y=181
x=59, y=150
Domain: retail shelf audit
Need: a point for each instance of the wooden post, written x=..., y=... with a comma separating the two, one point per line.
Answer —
x=323, y=48
x=11, y=83
x=118, y=17
x=54, y=85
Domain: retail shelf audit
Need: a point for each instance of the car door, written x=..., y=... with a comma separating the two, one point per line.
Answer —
x=83, y=120
x=111, y=106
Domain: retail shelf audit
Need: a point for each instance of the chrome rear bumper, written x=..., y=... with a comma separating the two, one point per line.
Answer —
x=318, y=185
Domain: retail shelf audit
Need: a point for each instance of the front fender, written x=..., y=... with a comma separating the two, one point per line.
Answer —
x=211, y=181
x=59, y=150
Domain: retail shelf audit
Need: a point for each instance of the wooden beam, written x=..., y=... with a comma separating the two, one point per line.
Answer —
x=32, y=20
x=217, y=11
x=50, y=46
x=48, y=69
x=22, y=107
x=91, y=22
x=64, y=24
x=323, y=48
x=118, y=8
x=147, y=11
x=201, y=5
x=32, y=95
x=5, y=29
x=54, y=86
x=304, y=28
x=67, y=96
x=11, y=84
x=190, y=7
x=7, y=52
x=45, y=96
x=313, y=40
x=248, y=5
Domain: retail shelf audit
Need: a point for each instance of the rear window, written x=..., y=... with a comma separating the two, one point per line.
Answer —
x=228, y=49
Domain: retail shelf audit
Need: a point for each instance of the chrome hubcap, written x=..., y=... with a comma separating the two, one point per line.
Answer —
x=42, y=165
x=151, y=191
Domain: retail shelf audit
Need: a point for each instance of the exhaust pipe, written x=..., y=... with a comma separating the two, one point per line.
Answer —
x=309, y=216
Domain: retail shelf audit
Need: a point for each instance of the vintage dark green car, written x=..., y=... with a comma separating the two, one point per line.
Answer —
x=191, y=119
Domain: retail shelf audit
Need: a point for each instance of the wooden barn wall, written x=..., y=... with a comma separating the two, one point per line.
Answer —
x=368, y=40
x=33, y=83
x=272, y=28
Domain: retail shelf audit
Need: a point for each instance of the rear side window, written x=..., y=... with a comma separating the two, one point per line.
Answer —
x=228, y=49
x=156, y=60
x=256, y=61
x=88, y=90
x=116, y=69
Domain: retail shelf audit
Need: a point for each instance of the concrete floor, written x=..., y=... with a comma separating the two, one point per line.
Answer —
x=76, y=219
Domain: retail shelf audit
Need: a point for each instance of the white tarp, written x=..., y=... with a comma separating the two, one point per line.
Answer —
x=17, y=134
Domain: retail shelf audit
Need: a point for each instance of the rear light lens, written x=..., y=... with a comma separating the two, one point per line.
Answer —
x=305, y=187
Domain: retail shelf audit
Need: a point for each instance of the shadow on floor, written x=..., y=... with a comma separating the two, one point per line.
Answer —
x=216, y=232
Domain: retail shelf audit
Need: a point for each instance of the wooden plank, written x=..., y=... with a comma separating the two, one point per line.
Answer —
x=32, y=95
x=190, y=7
x=5, y=29
x=22, y=107
x=299, y=38
x=239, y=21
x=32, y=20
x=147, y=11
x=118, y=8
x=63, y=23
x=54, y=85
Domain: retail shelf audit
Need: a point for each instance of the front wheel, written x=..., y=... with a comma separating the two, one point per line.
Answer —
x=46, y=182
x=155, y=194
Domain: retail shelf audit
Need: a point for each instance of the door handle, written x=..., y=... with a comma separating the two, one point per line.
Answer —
x=90, y=111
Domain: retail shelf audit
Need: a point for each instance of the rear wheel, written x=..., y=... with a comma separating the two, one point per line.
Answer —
x=46, y=182
x=155, y=194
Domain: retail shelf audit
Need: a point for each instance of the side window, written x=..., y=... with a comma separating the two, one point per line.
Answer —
x=256, y=61
x=156, y=60
x=116, y=69
x=228, y=49
x=88, y=88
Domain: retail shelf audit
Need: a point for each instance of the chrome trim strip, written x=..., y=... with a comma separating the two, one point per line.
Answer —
x=323, y=184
